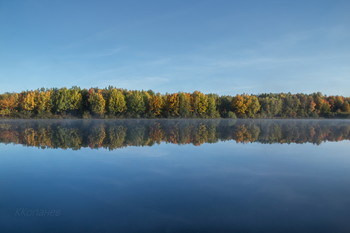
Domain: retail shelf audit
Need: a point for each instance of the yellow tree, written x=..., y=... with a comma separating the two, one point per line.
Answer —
x=199, y=103
x=173, y=104
x=245, y=105
x=43, y=101
x=75, y=98
x=202, y=104
x=156, y=104
x=239, y=105
x=117, y=102
x=28, y=100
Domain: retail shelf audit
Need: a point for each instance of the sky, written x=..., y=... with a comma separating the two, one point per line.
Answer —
x=225, y=47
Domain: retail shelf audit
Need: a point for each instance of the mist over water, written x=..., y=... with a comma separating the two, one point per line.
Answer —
x=114, y=134
x=174, y=175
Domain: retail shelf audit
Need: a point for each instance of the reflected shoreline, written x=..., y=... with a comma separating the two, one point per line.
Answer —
x=114, y=134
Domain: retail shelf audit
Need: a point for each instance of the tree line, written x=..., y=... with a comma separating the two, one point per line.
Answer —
x=77, y=134
x=120, y=103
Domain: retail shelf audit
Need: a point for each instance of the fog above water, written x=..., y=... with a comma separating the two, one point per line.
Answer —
x=113, y=134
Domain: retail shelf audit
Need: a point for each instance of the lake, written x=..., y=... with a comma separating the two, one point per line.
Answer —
x=174, y=176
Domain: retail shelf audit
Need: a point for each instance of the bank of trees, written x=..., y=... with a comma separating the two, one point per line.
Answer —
x=120, y=103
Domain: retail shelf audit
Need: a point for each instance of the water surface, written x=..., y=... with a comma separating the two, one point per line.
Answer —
x=174, y=176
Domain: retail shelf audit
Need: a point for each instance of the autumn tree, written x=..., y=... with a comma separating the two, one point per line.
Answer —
x=311, y=106
x=319, y=100
x=245, y=105
x=253, y=105
x=173, y=105
x=27, y=100
x=116, y=102
x=239, y=105
x=147, y=96
x=199, y=104
x=75, y=99
x=325, y=108
x=120, y=102
x=156, y=105
x=336, y=103
x=43, y=101
x=97, y=102
x=185, y=109
x=8, y=103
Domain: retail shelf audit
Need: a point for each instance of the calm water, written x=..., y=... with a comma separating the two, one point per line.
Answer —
x=175, y=176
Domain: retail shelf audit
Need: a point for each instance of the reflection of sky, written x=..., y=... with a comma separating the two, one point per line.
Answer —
x=225, y=186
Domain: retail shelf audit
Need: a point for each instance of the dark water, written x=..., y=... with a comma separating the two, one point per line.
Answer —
x=175, y=176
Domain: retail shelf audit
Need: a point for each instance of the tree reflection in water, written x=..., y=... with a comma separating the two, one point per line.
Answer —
x=113, y=134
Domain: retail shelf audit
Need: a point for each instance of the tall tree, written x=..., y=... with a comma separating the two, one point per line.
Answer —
x=136, y=104
x=97, y=102
x=75, y=99
x=28, y=100
x=173, y=105
x=225, y=105
x=156, y=105
x=212, y=111
x=185, y=109
x=199, y=104
x=116, y=102
x=43, y=101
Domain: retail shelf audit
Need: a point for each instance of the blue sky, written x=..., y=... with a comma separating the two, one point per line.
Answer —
x=224, y=47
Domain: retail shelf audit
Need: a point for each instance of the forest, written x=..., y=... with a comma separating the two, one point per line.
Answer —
x=114, y=102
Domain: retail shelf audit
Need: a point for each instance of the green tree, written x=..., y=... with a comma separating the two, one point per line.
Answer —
x=291, y=105
x=185, y=109
x=117, y=102
x=270, y=105
x=212, y=111
x=253, y=105
x=97, y=102
x=225, y=105
x=136, y=104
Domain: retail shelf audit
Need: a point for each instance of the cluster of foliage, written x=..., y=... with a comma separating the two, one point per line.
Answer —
x=120, y=103
x=77, y=134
